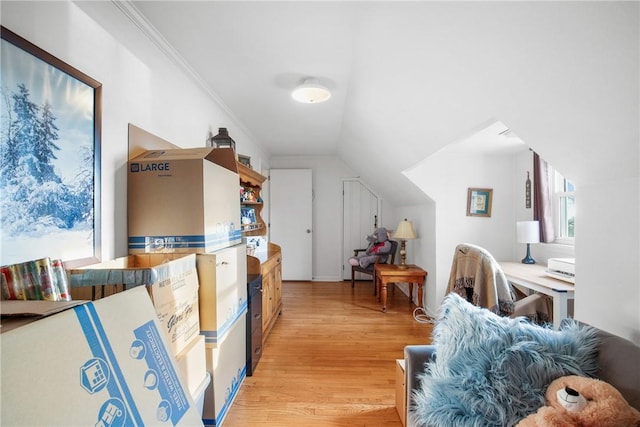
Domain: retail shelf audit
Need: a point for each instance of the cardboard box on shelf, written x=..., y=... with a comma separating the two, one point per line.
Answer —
x=183, y=200
x=101, y=363
x=172, y=283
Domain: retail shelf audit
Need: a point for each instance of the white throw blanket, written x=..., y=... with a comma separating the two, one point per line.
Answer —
x=477, y=277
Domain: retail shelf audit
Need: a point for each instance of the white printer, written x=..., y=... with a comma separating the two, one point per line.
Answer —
x=562, y=268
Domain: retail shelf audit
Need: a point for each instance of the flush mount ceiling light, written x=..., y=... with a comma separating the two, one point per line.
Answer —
x=311, y=92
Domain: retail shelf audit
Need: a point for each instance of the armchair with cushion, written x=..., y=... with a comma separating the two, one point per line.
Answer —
x=380, y=250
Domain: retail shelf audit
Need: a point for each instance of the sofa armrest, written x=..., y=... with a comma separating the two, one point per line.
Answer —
x=618, y=364
x=415, y=357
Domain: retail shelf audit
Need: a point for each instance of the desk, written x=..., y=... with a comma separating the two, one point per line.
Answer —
x=532, y=276
x=391, y=273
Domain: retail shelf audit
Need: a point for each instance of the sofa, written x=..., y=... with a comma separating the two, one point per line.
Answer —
x=618, y=364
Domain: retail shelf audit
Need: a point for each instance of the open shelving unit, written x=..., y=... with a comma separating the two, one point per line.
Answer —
x=269, y=263
x=251, y=181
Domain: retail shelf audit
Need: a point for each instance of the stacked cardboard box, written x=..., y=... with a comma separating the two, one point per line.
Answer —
x=223, y=308
x=172, y=283
x=188, y=201
x=92, y=365
x=183, y=200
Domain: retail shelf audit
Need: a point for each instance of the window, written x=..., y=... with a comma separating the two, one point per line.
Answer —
x=563, y=206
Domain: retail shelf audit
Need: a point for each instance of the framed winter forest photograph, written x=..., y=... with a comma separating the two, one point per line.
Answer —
x=49, y=157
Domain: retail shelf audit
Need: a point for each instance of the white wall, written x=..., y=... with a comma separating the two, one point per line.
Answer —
x=607, y=256
x=445, y=177
x=140, y=86
x=328, y=173
x=606, y=251
x=421, y=251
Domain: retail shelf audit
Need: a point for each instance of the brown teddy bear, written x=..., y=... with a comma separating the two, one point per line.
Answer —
x=583, y=402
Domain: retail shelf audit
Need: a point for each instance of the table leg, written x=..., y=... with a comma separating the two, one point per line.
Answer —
x=383, y=295
x=420, y=300
x=560, y=311
x=411, y=291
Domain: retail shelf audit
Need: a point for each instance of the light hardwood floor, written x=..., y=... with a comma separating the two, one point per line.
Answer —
x=330, y=359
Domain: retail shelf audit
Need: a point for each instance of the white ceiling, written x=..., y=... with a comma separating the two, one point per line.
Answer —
x=407, y=78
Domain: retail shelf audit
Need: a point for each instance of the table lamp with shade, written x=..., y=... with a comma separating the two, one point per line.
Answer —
x=528, y=232
x=404, y=232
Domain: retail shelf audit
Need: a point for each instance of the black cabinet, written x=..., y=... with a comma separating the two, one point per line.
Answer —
x=254, y=322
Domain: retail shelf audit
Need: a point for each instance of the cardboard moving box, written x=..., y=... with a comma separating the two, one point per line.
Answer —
x=172, y=282
x=183, y=200
x=227, y=363
x=192, y=364
x=16, y=313
x=223, y=291
x=103, y=363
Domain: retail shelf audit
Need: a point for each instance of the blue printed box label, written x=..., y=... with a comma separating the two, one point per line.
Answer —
x=103, y=371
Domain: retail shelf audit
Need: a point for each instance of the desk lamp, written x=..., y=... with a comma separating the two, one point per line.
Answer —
x=528, y=232
x=404, y=232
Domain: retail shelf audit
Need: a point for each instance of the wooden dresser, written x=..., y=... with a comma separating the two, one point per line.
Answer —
x=270, y=267
x=265, y=263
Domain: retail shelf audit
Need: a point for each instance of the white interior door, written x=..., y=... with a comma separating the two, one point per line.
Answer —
x=291, y=220
x=360, y=217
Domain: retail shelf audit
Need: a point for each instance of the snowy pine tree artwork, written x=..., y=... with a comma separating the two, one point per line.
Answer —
x=49, y=157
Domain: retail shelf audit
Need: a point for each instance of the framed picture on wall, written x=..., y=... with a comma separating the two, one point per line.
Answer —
x=245, y=160
x=479, y=201
x=50, y=157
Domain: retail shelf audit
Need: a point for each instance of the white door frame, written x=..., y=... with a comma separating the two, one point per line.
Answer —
x=345, y=255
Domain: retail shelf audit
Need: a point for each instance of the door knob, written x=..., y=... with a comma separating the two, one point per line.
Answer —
x=308, y=231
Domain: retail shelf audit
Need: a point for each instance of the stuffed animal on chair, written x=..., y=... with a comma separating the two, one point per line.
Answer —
x=583, y=402
x=378, y=243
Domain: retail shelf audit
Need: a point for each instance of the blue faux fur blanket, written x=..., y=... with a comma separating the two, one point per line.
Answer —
x=493, y=371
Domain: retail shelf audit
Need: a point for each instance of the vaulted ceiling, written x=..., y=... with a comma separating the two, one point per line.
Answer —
x=407, y=78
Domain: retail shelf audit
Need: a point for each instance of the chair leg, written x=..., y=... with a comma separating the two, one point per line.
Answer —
x=353, y=276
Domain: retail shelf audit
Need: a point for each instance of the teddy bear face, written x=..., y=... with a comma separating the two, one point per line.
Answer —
x=379, y=235
x=571, y=399
x=590, y=402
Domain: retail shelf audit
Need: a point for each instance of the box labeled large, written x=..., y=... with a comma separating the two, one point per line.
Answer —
x=183, y=200
x=103, y=363
x=227, y=363
x=223, y=291
x=172, y=282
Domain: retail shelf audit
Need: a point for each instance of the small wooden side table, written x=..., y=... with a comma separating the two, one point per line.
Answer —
x=391, y=273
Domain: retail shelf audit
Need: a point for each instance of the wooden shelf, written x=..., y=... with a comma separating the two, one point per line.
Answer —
x=252, y=181
x=249, y=176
